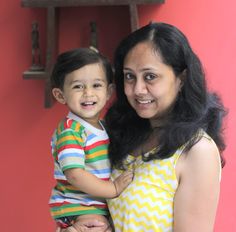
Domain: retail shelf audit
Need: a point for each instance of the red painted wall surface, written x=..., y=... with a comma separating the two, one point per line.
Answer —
x=25, y=161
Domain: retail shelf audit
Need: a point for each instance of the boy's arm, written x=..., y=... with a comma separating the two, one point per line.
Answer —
x=92, y=185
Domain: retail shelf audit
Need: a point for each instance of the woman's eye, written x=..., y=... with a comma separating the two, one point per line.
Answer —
x=150, y=76
x=128, y=76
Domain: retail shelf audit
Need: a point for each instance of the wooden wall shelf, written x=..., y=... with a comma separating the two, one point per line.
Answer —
x=51, y=53
x=65, y=3
x=37, y=75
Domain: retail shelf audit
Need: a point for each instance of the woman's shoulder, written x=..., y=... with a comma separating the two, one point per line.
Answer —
x=205, y=148
x=203, y=157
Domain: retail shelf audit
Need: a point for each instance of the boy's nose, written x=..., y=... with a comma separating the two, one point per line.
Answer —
x=88, y=91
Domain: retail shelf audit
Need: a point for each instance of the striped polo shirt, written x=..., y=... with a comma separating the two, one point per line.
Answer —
x=78, y=144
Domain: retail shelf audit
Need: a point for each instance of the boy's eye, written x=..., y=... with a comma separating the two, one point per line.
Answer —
x=78, y=87
x=97, y=85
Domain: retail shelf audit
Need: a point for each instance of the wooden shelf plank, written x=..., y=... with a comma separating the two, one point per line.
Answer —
x=68, y=3
x=34, y=75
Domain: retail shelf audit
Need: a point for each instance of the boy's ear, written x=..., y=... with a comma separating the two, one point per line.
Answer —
x=111, y=89
x=58, y=94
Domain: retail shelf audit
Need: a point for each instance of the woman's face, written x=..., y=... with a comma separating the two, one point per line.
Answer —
x=150, y=85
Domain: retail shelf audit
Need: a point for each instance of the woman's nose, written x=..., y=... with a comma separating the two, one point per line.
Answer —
x=140, y=87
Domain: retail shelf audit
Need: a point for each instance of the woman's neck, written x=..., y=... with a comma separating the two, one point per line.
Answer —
x=149, y=144
x=158, y=122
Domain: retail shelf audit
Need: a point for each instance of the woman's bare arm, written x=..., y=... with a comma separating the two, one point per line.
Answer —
x=197, y=196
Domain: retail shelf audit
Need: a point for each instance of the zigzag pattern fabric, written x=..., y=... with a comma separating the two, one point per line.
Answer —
x=147, y=203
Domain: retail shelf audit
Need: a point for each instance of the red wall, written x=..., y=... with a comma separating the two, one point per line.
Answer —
x=25, y=161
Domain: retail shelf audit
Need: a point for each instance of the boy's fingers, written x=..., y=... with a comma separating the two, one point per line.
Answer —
x=94, y=223
x=128, y=173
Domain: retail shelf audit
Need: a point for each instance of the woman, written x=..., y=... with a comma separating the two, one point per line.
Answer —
x=166, y=127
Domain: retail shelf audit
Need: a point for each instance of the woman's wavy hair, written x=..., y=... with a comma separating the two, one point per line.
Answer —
x=195, y=108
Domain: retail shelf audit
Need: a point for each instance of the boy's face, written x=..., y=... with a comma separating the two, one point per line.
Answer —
x=85, y=92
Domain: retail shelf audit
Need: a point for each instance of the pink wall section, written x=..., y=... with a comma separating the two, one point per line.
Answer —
x=25, y=161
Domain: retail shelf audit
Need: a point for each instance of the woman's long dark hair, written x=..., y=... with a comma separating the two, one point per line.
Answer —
x=195, y=107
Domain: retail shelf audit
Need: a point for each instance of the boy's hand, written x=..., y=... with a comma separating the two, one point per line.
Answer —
x=122, y=181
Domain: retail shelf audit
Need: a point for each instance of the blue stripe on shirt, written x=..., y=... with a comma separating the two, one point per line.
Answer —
x=66, y=155
x=101, y=171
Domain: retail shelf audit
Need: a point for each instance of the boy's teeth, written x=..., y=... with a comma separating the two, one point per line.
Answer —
x=88, y=103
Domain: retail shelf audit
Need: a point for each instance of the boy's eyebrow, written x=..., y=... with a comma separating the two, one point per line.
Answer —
x=74, y=81
x=97, y=79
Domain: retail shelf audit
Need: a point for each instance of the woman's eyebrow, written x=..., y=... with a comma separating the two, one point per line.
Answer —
x=142, y=70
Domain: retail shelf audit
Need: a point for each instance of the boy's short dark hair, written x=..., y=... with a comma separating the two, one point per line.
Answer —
x=72, y=60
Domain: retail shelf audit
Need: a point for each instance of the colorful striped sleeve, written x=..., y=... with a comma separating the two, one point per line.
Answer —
x=70, y=145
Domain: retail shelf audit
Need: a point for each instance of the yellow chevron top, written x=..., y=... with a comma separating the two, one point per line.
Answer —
x=147, y=203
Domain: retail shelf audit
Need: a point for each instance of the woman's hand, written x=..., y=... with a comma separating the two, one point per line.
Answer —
x=88, y=226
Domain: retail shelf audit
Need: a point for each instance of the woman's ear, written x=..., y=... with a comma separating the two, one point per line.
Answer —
x=58, y=94
x=182, y=78
x=111, y=88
